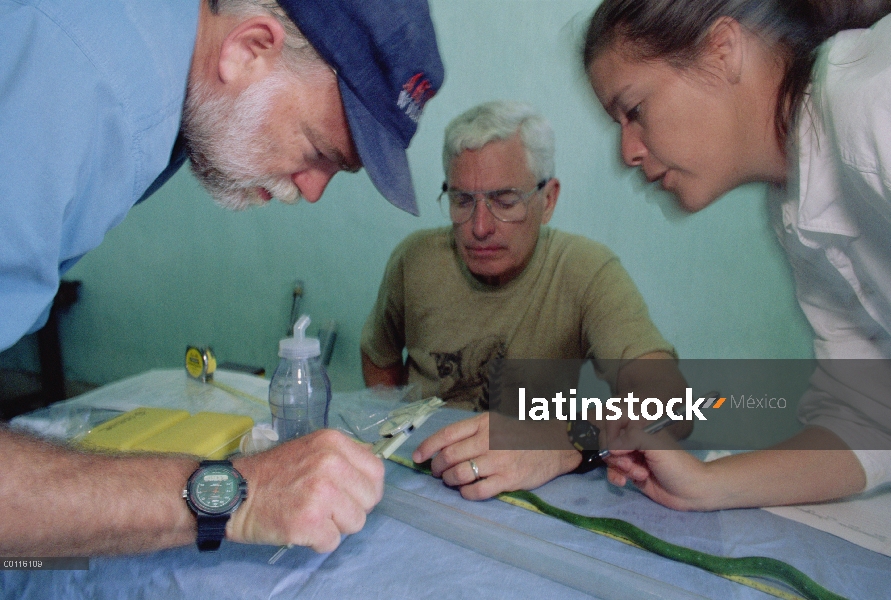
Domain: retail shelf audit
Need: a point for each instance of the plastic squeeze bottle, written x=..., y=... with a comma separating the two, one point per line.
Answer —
x=300, y=391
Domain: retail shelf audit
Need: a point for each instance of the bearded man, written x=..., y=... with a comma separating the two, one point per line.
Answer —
x=101, y=101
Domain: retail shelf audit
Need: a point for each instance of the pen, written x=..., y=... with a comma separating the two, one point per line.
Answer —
x=400, y=424
x=383, y=448
x=660, y=424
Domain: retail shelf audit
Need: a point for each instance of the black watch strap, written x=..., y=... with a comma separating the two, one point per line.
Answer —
x=211, y=531
x=585, y=437
x=212, y=527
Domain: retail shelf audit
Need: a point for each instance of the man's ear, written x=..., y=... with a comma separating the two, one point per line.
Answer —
x=552, y=192
x=724, y=50
x=250, y=50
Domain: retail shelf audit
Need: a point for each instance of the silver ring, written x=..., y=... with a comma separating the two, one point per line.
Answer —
x=476, y=470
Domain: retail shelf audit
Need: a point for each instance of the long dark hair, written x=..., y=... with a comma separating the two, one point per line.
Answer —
x=676, y=31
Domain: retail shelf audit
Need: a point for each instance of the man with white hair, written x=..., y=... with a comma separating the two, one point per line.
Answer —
x=101, y=101
x=498, y=284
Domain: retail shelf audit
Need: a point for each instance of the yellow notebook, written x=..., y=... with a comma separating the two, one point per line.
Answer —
x=131, y=428
x=205, y=434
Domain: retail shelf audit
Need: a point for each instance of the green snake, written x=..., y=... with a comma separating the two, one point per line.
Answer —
x=737, y=569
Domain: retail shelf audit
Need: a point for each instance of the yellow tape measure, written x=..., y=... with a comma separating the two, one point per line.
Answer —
x=200, y=363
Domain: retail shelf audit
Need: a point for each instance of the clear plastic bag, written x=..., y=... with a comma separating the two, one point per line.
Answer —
x=360, y=414
x=62, y=421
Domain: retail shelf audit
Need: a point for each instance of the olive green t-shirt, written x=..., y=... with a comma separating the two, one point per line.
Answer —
x=573, y=300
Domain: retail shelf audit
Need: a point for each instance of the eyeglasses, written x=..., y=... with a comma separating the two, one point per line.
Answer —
x=508, y=205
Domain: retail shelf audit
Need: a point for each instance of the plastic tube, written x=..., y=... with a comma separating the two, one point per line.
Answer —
x=512, y=547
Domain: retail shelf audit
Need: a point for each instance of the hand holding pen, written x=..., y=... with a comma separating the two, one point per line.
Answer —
x=660, y=424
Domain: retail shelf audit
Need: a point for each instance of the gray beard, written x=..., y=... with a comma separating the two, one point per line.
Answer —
x=226, y=145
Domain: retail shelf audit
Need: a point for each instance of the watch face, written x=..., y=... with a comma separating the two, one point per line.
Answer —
x=215, y=489
x=584, y=435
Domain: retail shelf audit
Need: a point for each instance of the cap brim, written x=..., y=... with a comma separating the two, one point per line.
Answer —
x=382, y=154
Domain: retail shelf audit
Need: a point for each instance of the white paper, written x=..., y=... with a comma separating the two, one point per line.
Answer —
x=863, y=520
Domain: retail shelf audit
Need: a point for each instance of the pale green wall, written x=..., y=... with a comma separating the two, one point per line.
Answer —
x=180, y=271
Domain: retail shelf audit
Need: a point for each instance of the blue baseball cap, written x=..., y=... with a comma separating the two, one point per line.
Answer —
x=387, y=63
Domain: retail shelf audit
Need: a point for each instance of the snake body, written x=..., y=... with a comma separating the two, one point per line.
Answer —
x=733, y=568
x=749, y=566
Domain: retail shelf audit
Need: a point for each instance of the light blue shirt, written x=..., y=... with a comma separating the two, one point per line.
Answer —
x=91, y=97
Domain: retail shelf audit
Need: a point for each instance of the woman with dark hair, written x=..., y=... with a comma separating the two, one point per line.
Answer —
x=713, y=94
